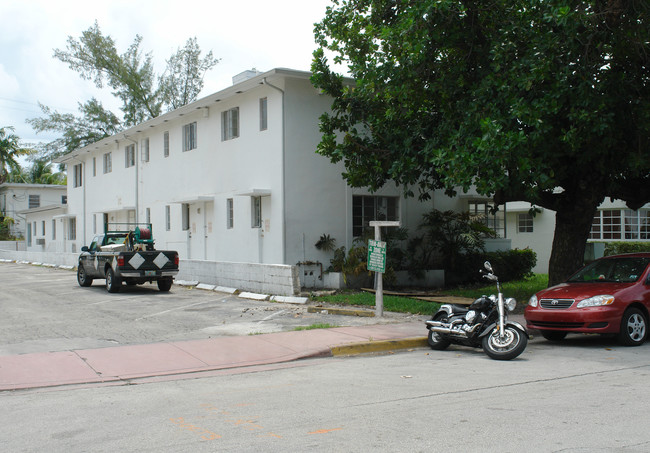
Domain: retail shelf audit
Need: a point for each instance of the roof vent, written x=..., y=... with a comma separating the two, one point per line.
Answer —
x=242, y=76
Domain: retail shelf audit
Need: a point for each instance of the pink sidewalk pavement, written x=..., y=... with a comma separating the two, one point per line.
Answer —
x=123, y=363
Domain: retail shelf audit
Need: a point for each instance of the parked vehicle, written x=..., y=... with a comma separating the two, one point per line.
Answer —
x=483, y=324
x=609, y=296
x=126, y=255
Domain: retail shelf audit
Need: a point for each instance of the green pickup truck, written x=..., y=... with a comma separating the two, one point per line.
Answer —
x=126, y=253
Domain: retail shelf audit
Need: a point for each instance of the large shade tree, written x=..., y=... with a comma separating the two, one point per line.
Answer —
x=545, y=101
x=132, y=79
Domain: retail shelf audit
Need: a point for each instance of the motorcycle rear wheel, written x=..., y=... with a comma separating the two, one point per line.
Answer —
x=436, y=341
x=510, y=346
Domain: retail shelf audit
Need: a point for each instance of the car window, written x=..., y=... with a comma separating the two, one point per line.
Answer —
x=623, y=270
x=115, y=239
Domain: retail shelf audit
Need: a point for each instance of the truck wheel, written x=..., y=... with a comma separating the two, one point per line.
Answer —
x=165, y=284
x=82, y=277
x=113, y=283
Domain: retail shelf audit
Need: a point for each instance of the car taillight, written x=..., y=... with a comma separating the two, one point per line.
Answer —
x=120, y=261
x=176, y=259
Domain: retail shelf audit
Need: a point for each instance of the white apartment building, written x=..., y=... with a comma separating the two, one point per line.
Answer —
x=232, y=177
x=16, y=198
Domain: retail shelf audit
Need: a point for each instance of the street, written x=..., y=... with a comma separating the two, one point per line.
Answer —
x=585, y=394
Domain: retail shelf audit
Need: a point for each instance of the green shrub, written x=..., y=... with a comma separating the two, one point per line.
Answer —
x=508, y=265
x=616, y=248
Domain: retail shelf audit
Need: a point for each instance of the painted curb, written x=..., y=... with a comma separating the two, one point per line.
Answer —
x=341, y=311
x=379, y=346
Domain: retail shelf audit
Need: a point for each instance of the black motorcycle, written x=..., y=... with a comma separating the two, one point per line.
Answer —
x=483, y=324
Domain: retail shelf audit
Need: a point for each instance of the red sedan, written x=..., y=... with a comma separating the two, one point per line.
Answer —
x=609, y=296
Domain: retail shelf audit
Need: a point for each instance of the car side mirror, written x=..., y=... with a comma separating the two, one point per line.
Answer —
x=84, y=248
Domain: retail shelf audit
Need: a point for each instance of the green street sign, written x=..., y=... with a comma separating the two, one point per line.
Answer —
x=376, y=256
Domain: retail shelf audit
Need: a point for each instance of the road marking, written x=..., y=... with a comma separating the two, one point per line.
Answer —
x=178, y=308
x=272, y=315
x=325, y=431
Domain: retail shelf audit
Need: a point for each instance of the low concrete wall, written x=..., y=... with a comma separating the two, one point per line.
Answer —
x=274, y=279
x=57, y=259
x=13, y=245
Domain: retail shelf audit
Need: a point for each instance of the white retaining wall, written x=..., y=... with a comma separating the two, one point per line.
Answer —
x=275, y=279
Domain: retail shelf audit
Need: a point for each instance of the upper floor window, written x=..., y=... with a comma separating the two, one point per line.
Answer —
x=189, y=136
x=34, y=202
x=94, y=166
x=108, y=162
x=166, y=144
x=230, y=124
x=263, y=114
x=129, y=156
x=366, y=208
x=77, y=175
x=145, y=150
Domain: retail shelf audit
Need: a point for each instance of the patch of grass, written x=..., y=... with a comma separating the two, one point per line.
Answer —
x=315, y=326
x=520, y=290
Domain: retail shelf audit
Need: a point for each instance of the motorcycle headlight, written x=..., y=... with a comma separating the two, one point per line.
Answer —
x=532, y=302
x=596, y=301
x=511, y=303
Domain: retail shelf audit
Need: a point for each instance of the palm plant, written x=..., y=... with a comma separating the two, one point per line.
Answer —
x=10, y=150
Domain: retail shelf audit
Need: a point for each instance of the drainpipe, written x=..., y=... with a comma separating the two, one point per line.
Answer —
x=282, y=174
x=137, y=168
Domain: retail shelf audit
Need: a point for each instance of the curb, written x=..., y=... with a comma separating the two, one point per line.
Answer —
x=341, y=311
x=379, y=346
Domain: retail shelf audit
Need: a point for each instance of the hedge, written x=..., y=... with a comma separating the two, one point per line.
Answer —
x=616, y=248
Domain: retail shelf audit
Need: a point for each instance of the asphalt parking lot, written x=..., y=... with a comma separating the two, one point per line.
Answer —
x=45, y=310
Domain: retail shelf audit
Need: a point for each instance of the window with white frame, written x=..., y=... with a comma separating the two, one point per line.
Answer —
x=263, y=114
x=94, y=166
x=486, y=213
x=129, y=156
x=525, y=223
x=619, y=224
x=108, y=163
x=168, y=218
x=256, y=212
x=145, y=150
x=230, y=124
x=367, y=208
x=166, y=144
x=189, y=136
x=53, y=229
x=42, y=227
x=34, y=201
x=77, y=175
x=230, y=213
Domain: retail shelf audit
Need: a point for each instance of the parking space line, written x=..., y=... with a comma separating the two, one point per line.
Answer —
x=180, y=308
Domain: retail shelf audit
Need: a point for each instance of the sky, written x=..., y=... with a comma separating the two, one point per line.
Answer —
x=243, y=34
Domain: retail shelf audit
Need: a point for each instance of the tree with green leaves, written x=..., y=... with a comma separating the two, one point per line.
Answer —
x=10, y=151
x=545, y=101
x=132, y=79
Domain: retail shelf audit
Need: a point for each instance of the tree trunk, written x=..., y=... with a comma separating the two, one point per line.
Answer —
x=572, y=227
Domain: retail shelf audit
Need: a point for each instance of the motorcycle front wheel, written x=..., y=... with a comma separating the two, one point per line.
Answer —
x=505, y=347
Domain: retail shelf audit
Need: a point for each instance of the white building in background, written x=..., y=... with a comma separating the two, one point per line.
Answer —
x=15, y=198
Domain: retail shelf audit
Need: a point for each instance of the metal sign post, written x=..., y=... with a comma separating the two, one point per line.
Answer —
x=377, y=262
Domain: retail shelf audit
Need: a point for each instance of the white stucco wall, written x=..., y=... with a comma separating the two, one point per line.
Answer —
x=15, y=198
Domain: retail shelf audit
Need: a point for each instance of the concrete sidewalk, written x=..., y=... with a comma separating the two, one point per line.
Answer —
x=125, y=363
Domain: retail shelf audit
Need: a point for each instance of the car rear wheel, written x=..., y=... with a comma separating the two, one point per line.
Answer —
x=113, y=283
x=634, y=328
x=165, y=284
